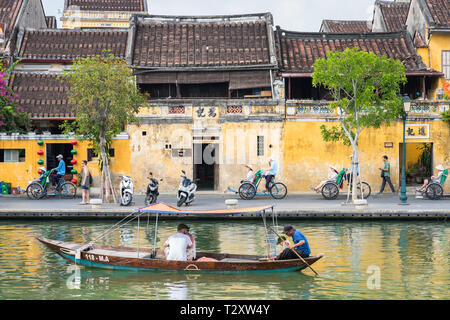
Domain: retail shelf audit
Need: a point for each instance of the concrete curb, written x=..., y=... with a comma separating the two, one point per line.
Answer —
x=308, y=214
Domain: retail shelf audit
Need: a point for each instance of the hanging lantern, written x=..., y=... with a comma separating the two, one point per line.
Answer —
x=40, y=142
x=74, y=142
x=74, y=181
x=74, y=171
x=73, y=151
x=40, y=161
x=73, y=161
x=40, y=152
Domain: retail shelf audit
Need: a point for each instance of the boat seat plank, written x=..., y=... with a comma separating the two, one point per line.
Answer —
x=123, y=254
x=236, y=260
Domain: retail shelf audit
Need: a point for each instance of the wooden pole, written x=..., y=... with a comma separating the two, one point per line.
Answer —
x=300, y=257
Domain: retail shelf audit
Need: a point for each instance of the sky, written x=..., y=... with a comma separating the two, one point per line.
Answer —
x=295, y=15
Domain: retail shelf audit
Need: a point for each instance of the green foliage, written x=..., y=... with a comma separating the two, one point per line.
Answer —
x=425, y=159
x=105, y=97
x=446, y=96
x=446, y=116
x=365, y=90
x=333, y=134
x=13, y=118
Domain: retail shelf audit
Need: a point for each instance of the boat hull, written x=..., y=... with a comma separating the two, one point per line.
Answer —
x=124, y=258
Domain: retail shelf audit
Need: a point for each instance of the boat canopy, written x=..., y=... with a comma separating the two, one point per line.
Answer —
x=164, y=208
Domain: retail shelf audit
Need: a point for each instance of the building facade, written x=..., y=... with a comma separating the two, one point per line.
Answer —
x=90, y=14
x=224, y=91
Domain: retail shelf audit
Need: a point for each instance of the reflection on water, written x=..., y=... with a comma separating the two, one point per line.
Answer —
x=411, y=259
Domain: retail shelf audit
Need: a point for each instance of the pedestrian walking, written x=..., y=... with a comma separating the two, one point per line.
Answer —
x=386, y=175
x=86, y=181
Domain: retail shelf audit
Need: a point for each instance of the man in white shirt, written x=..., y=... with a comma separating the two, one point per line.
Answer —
x=178, y=243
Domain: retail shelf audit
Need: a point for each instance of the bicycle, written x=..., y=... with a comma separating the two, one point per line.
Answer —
x=330, y=189
x=39, y=189
x=248, y=190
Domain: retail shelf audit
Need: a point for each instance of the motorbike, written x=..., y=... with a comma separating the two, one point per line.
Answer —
x=186, y=191
x=152, y=193
x=126, y=191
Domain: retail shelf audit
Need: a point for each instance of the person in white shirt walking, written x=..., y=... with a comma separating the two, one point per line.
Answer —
x=177, y=244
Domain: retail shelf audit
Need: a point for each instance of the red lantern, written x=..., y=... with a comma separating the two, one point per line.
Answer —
x=74, y=142
x=73, y=161
x=40, y=152
x=74, y=181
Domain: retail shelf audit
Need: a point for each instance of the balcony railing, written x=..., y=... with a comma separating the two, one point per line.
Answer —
x=261, y=108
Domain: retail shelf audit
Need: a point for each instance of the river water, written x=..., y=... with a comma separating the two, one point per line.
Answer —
x=363, y=260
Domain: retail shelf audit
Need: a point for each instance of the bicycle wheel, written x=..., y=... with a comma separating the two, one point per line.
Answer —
x=366, y=190
x=247, y=191
x=35, y=191
x=434, y=191
x=330, y=191
x=68, y=190
x=278, y=190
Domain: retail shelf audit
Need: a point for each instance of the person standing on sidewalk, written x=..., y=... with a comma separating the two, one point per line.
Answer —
x=85, y=183
x=386, y=175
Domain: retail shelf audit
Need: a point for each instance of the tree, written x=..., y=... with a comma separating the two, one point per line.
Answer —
x=105, y=98
x=365, y=89
x=13, y=118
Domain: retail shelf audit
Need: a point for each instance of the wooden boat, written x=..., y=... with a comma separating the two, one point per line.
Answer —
x=116, y=257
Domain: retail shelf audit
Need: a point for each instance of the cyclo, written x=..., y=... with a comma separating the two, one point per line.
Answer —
x=39, y=189
x=330, y=189
x=435, y=190
x=248, y=189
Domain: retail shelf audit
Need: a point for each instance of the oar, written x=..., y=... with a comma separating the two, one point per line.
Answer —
x=294, y=252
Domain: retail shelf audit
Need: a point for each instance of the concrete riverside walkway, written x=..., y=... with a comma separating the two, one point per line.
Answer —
x=294, y=206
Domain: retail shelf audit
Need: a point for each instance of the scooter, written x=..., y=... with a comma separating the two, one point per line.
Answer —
x=152, y=193
x=186, y=191
x=126, y=191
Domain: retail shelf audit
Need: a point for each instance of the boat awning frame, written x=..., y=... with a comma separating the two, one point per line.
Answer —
x=164, y=208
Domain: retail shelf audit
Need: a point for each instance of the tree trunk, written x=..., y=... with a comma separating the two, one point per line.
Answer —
x=106, y=174
x=355, y=161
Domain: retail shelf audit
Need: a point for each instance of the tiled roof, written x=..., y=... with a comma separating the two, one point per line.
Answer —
x=394, y=14
x=69, y=44
x=298, y=51
x=200, y=42
x=440, y=12
x=51, y=22
x=108, y=5
x=9, y=11
x=42, y=95
x=342, y=26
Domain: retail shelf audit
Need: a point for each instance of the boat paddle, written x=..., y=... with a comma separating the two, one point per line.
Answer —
x=304, y=261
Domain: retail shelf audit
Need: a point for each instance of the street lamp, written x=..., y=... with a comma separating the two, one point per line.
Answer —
x=406, y=108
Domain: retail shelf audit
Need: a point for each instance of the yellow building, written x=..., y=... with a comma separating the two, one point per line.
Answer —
x=91, y=14
x=225, y=91
x=428, y=23
x=39, y=91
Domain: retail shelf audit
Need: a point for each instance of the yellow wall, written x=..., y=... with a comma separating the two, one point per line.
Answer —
x=432, y=56
x=307, y=157
x=20, y=173
x=303, y=157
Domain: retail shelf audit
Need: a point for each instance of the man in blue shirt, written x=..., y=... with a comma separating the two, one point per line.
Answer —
x=301, y=245
x=60, y=170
